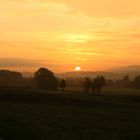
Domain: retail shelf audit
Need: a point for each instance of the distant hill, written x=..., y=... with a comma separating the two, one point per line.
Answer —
x=130, y=68
x=108, y=75
x=113, y=74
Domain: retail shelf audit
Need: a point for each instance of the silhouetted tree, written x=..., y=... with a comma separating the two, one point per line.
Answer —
x=63, y=84
x=45, y=79
x=137, y=82
x=87, y=85
x=10, y=78
x=126, y=81
x=102, y=83
x=98, y=83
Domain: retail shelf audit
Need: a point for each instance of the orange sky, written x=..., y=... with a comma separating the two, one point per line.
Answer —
x=63, y=34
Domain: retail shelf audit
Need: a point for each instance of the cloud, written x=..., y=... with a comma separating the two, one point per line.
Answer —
x=32, y=65
x=33, y=8
x=65, y=30
x=106, y=8
x=96, y=8
x=17, y=62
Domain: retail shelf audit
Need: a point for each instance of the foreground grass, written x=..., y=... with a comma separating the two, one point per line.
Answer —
x=36, y=115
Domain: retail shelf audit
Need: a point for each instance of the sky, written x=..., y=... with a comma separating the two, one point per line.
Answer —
x=63, y=34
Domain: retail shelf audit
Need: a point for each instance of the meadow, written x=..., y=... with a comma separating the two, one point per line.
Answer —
x=39, y=115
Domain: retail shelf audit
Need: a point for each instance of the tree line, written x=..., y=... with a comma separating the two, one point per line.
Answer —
x=44, y=79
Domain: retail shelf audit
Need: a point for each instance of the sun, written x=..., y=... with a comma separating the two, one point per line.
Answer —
x=77, y=68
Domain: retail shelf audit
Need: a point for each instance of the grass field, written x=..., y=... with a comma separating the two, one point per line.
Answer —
x=37, y=115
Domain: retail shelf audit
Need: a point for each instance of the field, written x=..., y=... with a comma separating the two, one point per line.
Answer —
x=38, y=115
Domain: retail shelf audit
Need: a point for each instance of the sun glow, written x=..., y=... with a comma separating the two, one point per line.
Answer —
x=75, y=38
x=77, y=68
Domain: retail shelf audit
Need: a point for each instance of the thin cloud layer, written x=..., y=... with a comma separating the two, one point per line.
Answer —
x=70, y=32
